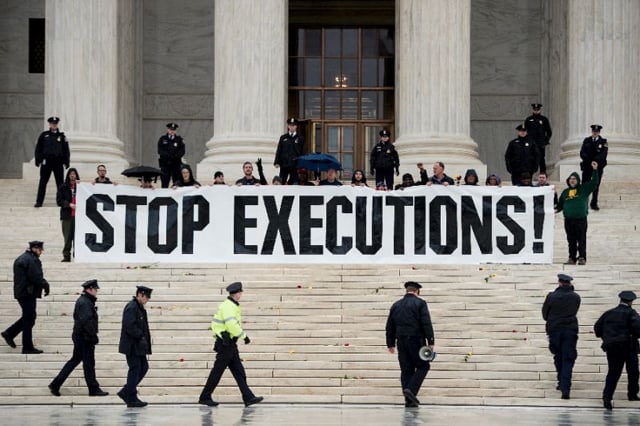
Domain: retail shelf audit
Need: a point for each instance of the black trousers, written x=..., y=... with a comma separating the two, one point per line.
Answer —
x=619, y=355
x=576, y=230
x=288, y=175
x=542, y=148
x=83, y=352
x=562, y=344
x=68, y=231
x=25, y=324
x=586, y=176
x=138, y=367
x=54, y=166
x=227, y=356
x=170, y=171
x=386, y=176
x=413, y=370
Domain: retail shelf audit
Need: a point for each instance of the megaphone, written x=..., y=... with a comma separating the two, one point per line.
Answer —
x=426, y=354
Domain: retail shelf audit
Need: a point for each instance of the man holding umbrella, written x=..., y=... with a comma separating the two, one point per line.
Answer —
x=290, y=147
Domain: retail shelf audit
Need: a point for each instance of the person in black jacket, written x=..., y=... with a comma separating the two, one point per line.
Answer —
x=409, y=327
x=171, y=149
x=52, y=153
x=619, y=329
x=384, y=159
x=135, y=343
x=85, y=339
x=28, y=285
x=66, y=199
x=594, y=148
x=559, y=310
x=539, y=130
x=521, y=156
x=290, y=147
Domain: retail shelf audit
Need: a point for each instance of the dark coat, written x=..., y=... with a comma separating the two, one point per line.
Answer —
x=560, y=309
x=538, y=129
x=521, y=156
x=28, y=280
x=135, y=338
x=619, y=326
x=384, y=157
x=594, y=151
x=170, y=151
x=52, y=147
x=85, y=318
x=409, y=317
x=288, y=150
x=65, y=195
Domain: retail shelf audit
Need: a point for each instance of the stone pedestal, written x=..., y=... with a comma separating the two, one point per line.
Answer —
x=433, y=85
x=603, y=82
x=250, y=86
x=90, y=80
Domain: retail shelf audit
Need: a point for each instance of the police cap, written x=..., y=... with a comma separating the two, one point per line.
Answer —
x=521, y=128
x=596, y=127
x=36, y=244
x=54, y=120
x=565, y=278
x=292, y=121
x=412, y=284
x=536, y=106
x=384, y=132
x=146, y=291
x=235, y=287
x=627, y=296
x=90, y=284
x=172, y=126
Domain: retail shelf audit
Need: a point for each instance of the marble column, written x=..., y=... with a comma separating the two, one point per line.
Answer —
x=90, y=80
x=250, y=86
x=603, y=81
x=433, y=85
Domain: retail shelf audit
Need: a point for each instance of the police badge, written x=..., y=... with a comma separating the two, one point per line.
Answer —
x=59, y=139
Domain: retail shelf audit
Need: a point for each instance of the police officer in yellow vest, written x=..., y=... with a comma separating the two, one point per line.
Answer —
x=227, y=330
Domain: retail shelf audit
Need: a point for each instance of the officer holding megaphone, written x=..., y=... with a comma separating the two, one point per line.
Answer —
x=409, y=328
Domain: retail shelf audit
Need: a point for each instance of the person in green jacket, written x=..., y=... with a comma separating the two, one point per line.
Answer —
x=574, y=203
x=227, y=330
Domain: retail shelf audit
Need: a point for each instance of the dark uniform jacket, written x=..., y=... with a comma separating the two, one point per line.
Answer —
x=170, y=151
x=619, y=326
x=521, y=156
x=289, y=149
x=560, y=308
x=409, y=317
x=594, y=151
x=85, y=318
x=52, y=146
x=538, y=129
x=65, y=195
x=28, y=280
x=384, y=157
x=135, y=338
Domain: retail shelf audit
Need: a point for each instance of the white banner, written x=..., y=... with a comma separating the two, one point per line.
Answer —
x=297, y=224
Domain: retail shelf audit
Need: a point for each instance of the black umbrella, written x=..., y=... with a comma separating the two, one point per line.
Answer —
x=145, y=172
x=319, y=162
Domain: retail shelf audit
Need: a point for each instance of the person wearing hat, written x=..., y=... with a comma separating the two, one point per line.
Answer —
x=52, y=153
x=218, y=178
x=560, y=310
x=573, y=203
x=171, y=149
x=28, y=285
x=384, y=159
x=66, y=199
x=594, y=148
x=85, y=339
x=290, y=147
x=135, y=344
x=619, y=329
x=521, y=155
x=539, y=130
x=227, y=330
x=409, y=329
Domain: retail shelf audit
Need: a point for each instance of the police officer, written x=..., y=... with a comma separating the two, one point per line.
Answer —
x=227, y=330
x=521, y=156
x=384, y=159
x=85, y=339
x=28, y=285
x=171, y=149
x=290, y=147
x=135, y=343
x=594, y=148
x=409, y=327
x=539, y=130
x=559, y=310
x=52, y=153
x=619, y=329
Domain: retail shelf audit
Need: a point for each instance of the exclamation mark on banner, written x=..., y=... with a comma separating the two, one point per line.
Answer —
x=538, y=223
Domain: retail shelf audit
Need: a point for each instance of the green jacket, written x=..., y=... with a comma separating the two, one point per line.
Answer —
x=228, y=319
x=574, y=202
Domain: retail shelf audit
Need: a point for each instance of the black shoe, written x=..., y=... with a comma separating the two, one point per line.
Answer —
x=254, y=400
x=121, y=395
x=66, y=259
x=37, y=205
x=98, y=392
x=54, y=390
x=8, y=339
x=410, y=405
x=410, y=396
x=565, y=395
x=595, y=207
x=582, y=261
x=634, y=398
x=136, y=404
x=607, y=404
x=33, y=351
x=209, y=402
x=557, y=387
